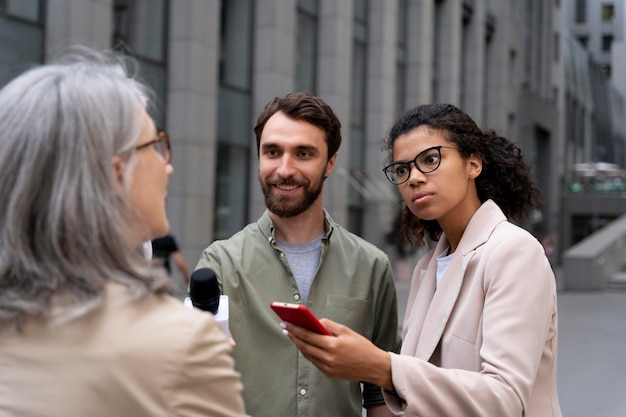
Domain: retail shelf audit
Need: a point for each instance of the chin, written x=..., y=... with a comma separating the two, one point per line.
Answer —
x=160, y=230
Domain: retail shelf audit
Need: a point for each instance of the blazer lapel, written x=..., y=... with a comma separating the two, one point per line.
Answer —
x=439, y=310
x=441, y=307
x=420, y=299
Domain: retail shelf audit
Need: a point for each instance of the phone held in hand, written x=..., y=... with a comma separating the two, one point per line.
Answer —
x=299, y=315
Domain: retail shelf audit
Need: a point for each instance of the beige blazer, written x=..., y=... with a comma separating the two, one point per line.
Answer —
x=151, y=357
x=485, y=342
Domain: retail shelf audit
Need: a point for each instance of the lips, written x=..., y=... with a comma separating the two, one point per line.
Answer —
x=421, y=197
x=286, y=187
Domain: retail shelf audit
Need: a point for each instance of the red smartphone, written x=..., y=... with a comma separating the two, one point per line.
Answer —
x=299, y=315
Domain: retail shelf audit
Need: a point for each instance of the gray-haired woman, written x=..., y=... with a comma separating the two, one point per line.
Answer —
x=86, y=325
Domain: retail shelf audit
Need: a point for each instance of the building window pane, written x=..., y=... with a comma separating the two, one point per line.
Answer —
x=236, y=43
x=142, y=25
x=581, y=11
x=21, y=47
x=232, y=189
x=607, y=40
x=140, y=30
x=306, y=47
x=31, y=10
x=357, y=128
x=608, y=11
x=234, y=130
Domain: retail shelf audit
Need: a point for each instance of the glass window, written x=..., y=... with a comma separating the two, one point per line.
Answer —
x=21, y=37
x=236, y=43
x=233, y=170
x=581, y=11
x=140, y=29
x=306, y=46
x=234, y=117
x=557, y=47
x=607, y=40
x=141, y=25
x=31, y=10
x=357, y=128
x=608, y=12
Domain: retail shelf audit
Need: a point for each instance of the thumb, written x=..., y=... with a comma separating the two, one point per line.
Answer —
x=334, y=327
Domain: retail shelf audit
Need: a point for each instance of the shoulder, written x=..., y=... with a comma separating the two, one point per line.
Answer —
x=185, y=349
x=159, y=323
x=509, y=236
x=355, y=243
x=249, y=235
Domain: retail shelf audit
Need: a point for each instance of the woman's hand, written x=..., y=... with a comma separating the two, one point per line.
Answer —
x=347, y=355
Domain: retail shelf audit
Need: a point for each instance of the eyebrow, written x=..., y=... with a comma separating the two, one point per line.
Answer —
x=309, y=148
x=419, y=153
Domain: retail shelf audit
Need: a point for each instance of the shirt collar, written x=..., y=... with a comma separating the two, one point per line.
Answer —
x=267, y=226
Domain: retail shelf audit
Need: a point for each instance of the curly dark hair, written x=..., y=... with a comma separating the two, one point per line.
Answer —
x=505, y=178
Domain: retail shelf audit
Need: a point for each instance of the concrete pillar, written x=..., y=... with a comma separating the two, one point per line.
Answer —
x=420, y=49
x=273, y=73
x=334, y=72
x=473, y=55
x=380, y=209
x=448, y=52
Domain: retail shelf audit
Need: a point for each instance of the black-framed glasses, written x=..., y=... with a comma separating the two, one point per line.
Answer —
x=161, y=144
x=426, y=161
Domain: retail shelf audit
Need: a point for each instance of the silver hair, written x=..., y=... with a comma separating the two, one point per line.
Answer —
x=64, y=220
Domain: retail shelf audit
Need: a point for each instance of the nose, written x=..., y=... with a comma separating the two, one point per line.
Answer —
x=286, y=167
x=415, y=175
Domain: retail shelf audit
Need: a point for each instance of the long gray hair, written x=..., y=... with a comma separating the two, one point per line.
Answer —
x=65, y=221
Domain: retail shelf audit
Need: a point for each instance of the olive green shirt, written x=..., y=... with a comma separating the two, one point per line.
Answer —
x=353, y=285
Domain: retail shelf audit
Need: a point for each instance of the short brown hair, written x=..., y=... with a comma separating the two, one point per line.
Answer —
x=306, y=107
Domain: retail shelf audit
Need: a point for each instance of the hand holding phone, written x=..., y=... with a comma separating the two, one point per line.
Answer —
x=299, y=315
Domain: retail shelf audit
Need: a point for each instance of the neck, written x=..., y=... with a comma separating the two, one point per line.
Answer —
x=454, y=224
x=304, y=227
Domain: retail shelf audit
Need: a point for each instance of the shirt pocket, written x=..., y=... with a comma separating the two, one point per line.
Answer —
x=349, y=311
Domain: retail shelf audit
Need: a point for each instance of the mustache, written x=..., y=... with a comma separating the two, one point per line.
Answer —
x=283, y=181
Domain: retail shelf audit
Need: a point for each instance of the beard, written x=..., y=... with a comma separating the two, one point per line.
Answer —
x=289, y=206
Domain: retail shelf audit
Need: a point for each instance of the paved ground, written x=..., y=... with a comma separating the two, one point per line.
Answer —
x=592, y=352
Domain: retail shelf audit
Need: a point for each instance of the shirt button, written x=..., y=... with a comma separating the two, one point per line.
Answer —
x=302, y=391
x=296, y=297
x=282, y=255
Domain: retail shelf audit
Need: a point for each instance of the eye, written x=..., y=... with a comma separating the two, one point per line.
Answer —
x=271, y=153
x=430, y=157
x=401, y=169
x=304, y=155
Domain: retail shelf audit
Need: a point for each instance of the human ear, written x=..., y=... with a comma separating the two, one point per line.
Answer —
x=330, y=165
x=474, y=166
x=118, y=166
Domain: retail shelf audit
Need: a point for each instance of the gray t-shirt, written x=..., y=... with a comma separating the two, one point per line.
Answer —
x=303, y=259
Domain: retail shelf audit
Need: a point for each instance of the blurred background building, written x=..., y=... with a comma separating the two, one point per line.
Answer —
x=547, y=74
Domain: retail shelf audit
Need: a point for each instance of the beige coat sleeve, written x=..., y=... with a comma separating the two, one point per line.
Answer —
x=207, y=384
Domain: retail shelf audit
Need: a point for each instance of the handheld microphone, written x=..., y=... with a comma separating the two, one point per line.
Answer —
x=205, y=294
x=204, y=290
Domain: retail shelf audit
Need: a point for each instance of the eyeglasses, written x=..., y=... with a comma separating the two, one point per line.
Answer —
x=426, y=161
x=161, y=144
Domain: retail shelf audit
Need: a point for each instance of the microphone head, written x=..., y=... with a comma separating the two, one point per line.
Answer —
x=204, y=290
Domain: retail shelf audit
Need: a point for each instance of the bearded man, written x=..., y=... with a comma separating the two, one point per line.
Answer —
x=296, y=253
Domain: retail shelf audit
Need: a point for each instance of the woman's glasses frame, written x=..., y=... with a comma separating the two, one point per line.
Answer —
x=161, y=144
x=399, y=172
